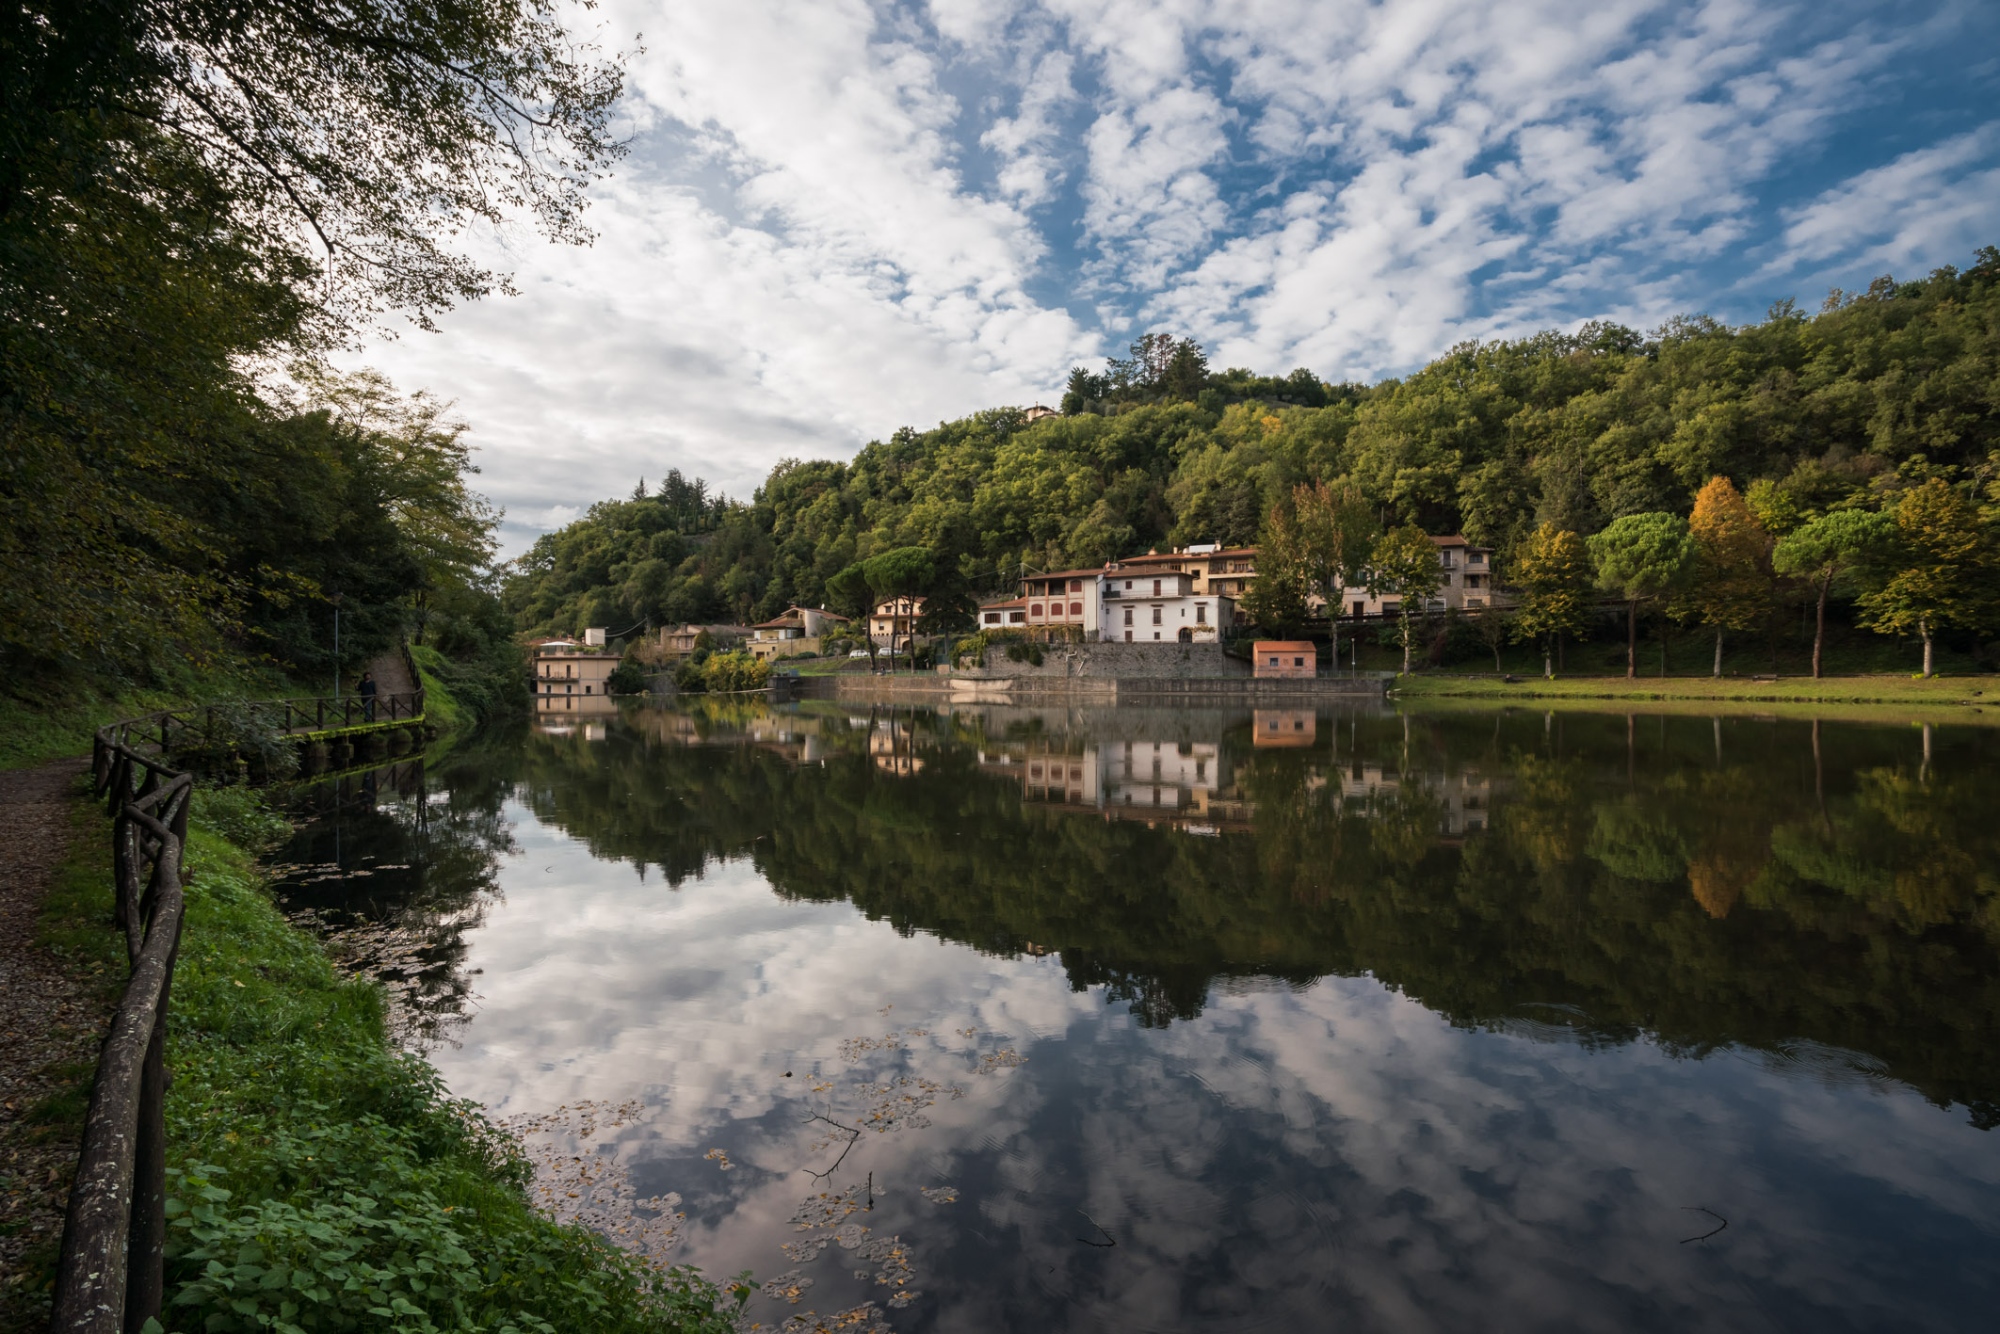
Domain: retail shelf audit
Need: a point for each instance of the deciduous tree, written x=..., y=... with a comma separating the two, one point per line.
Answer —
x=1335, y=532
x=1405, y=565
x=1552, y=577
x=1277, y=600
x=1730, y=583
x=1941, y=568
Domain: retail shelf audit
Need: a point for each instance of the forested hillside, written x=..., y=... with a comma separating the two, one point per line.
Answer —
x=1846, y=407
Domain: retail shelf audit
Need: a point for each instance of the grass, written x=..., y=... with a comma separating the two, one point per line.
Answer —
x=60, y=719
x=322, y=1181
x=1938, y=691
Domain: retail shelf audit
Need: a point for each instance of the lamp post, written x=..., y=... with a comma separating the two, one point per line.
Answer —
x=336, y=648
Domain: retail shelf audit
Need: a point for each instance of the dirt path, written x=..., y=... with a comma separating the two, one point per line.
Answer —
x=51, y=1023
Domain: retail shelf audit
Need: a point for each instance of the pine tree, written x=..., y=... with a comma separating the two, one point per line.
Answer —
x=1642, y=558
x=1826, y=550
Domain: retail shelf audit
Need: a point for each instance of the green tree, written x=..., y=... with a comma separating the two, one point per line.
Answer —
x=1941, y=568
x=1642, y=558
x=1276, y=602
x=1335, y=534
x=1552, y=578
x=1828, y=550
x=1730, y=584
x=904, y=572
x=1404, y=564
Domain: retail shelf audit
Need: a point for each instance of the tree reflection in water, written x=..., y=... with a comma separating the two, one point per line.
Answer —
x=1816, y=899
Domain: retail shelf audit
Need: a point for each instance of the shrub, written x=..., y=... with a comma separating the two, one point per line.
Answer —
x=627, y=678
x=735, y=671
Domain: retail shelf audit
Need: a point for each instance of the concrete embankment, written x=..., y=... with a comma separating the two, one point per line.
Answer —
x=1102, y=675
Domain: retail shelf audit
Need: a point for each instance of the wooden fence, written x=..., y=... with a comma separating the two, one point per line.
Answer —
x=111, y=1279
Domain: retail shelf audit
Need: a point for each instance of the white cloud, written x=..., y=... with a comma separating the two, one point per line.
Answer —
x=846, y=217
x=1905, y=215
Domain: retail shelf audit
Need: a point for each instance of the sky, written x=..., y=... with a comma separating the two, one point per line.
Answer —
x=841, y=218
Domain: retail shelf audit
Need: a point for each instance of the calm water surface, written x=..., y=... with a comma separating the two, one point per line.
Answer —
x=1135, y=1020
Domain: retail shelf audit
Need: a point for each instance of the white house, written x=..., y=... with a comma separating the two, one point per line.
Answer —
x=1146, y=604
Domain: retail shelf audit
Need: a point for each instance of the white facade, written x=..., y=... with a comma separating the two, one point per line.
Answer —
x=1150, y=605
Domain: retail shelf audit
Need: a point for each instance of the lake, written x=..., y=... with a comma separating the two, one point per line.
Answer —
x=1011, y=1019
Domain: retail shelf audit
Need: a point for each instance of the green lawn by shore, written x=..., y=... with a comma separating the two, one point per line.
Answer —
x=1965, y=699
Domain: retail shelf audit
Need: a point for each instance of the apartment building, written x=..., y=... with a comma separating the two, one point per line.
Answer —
x=565, y=669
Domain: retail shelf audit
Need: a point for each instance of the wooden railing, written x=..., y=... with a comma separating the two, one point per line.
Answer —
x=181, y=729
x=110, y=1279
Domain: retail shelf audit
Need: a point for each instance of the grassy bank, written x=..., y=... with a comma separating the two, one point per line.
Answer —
x=321, y=1180
x=1941, y=691
x=59, y=719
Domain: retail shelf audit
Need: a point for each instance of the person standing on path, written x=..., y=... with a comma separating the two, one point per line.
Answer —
x=368, y=696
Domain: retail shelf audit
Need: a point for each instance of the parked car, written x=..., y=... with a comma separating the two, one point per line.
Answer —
x=857, y=653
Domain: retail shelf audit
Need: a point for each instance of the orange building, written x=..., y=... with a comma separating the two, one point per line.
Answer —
x=1285, y=659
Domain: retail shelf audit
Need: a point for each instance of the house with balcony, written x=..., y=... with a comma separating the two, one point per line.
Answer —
x=1146, y=601
x=1467, y=585
x=1052, y=605
x=566, y=671
x=892, y=622
x=798, y=630
x=678, y=641
x=1213, y=569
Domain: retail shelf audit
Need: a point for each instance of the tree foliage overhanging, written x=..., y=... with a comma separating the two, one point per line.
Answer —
x=1808, y=413
x=194, y=193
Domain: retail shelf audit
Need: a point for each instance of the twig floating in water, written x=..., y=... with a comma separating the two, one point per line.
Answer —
x=1698, y=1209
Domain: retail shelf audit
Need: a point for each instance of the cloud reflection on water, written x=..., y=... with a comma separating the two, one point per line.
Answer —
x=1293, y=1158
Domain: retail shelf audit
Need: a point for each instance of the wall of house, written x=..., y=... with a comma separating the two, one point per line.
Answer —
x=1116, y=662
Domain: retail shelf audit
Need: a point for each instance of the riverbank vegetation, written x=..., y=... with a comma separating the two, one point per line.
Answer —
x=321, y=1180
x=1882, y=403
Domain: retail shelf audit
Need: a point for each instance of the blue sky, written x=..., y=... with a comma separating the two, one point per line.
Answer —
x=842, y=217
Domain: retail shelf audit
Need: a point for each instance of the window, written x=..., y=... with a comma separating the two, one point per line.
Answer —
x=1076, y=609
x=1156, y=617
x=586, y=690
x=1128, y=583
x=1298, y=662
x=1035, y=610
x=1156, y=588
x=1128, y=636
x=1201, y=613
x=1128, y=619
x=1076, y=585
x=1274, y=660
x=1156, y=634
x=993, y=618
x=1016, y=617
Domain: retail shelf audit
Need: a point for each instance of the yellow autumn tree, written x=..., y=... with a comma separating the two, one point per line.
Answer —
x=1731, y=587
